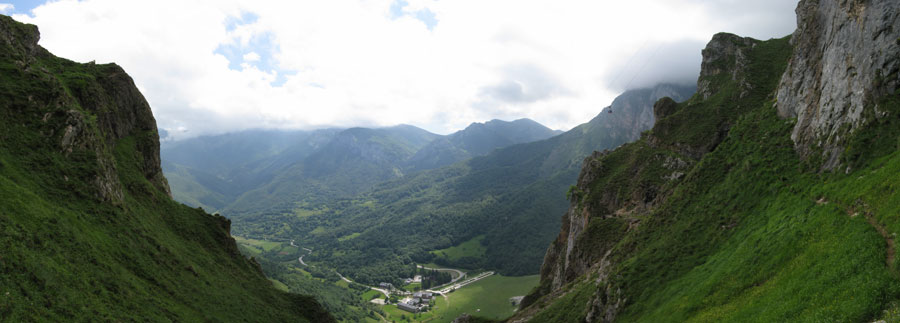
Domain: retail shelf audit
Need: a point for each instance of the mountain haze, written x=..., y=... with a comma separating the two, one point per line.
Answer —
x=241, y=172
x=478, y=139
x=506, y=196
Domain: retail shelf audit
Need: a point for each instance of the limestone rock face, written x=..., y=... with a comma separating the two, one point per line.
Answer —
x=846, y=53
x=576, y=253
x=725, y=53
x=92, y=114
x=664, y=107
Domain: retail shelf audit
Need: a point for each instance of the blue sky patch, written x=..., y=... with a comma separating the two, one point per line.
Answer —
x=263, y=45
x=23, y=6
x=425, y=16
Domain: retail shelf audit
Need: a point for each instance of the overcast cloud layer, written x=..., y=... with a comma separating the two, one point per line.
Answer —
x=218, y=66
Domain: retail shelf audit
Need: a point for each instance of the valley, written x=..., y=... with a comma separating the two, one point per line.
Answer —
x=488, y=213
x=485, y=293
x=282, y=184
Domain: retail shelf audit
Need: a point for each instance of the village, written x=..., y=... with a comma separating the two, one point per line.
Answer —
x=421, y=301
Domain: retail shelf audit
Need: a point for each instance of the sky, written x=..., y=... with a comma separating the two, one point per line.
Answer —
x=209, y=67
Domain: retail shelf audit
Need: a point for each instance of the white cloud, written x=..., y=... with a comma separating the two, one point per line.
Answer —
x=251, y=57
x=351, y=62
x=6, y=7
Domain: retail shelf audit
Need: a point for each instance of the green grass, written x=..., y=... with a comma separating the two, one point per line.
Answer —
x=571, y=307
x=371, y=294
x=470, y=248
x=751, y=232
x=395, y=314
x=491, y=295
x=279, y=285
x=791, y=257
x=349, y=236
x=89, y=234
x=259, y=244
x=453, y=274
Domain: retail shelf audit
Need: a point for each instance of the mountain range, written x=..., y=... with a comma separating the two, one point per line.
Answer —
x=239, y=172
x=506, y=199
x=767, y=192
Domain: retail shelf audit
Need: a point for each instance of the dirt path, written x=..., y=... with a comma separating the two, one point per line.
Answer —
x=889, y=260
x=862, y=208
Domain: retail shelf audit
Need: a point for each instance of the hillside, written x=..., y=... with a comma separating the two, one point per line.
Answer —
x=769, y=196
x=88, y=227
x=351, y=162
x=213, y=171
x=477, y=139
x=508, y=196
x=282, y=167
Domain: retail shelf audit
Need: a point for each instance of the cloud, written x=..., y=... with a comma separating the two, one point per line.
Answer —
x=523, y=84
x=653, y=63
x=6, y=7
x=218, y=66
x=251, y=57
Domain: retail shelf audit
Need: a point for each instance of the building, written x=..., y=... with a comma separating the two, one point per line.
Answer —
x=387, y=286
x=423, y=295
x=416, y=279
x=406, y=307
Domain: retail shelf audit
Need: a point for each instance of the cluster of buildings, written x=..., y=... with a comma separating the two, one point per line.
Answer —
x=416, y=279
x=415, y=303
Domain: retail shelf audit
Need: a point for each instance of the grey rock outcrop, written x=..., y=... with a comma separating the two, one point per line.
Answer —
x=846, y=54
x=725, y=53
x=90, y=115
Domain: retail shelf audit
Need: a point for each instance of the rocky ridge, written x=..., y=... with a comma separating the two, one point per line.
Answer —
x=844, y=59
x=847, y=53
x=120, y=111
x=572, y=256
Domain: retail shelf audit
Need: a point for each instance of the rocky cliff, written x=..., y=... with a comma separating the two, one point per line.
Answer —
x=708, y=216
x=102, y=92
x=847, y=54
x=612, y=210
x=87, y=223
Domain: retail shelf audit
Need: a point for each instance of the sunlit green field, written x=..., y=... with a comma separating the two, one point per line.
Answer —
x=488, y=298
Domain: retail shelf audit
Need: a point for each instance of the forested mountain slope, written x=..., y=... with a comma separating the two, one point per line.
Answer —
x=283, y=167
x=477, y=139
x=88, y=228
x=769, y=196
x=212, y=171
x=508, y=196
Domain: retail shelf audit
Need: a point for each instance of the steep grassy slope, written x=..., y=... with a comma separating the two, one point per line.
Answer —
x=88, y=229
x=714, y=216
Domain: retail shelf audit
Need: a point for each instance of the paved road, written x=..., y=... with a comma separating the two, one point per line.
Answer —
x=462, y=284
x=459, y=274
x=383, y=291
x=308, y=251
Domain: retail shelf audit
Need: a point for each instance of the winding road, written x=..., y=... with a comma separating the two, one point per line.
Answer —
x=459, y=274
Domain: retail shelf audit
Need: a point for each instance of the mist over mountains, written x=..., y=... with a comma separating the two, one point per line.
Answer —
x=215, y=171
